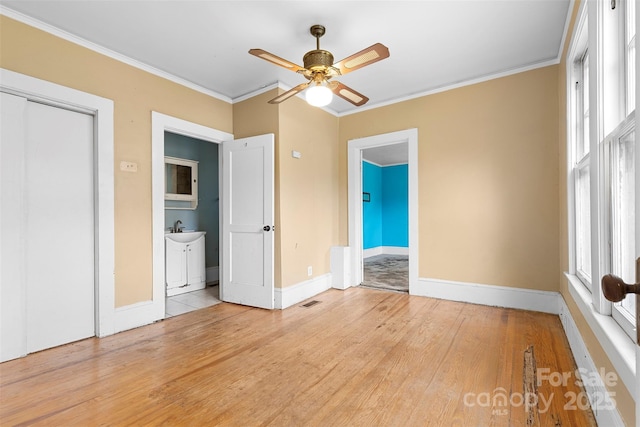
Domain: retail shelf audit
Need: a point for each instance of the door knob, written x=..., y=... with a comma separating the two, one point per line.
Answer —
x=266, y=228
x=615, y=289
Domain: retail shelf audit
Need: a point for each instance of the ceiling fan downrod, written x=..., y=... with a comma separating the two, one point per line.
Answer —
x=317, y=61
x=317, y=31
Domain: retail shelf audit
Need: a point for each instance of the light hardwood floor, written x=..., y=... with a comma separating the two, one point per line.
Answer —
x=360, y=357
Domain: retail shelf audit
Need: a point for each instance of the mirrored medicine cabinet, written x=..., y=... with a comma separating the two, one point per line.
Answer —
x=181, y=183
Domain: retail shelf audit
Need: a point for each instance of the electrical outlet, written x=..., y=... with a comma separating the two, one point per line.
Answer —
x=128, y=166
x=309, y=271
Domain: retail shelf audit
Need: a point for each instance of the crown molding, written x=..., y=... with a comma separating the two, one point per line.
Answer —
x=446, y=88
x=145, y=67
x=20, y=17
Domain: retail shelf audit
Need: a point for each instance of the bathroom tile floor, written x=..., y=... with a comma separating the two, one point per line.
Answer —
x=190, y=301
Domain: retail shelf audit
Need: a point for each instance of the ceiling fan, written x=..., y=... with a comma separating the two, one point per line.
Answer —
x=319, y=69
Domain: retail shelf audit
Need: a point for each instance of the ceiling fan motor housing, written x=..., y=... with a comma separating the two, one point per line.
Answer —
x=318, y=60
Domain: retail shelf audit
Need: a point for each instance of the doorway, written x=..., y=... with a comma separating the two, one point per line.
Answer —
x=356, y=150
x=161, y=124
x=203, y=215
x=385, y=215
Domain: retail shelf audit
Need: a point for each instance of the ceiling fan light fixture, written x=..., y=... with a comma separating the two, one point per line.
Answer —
x=318, y=95
x=319, y=69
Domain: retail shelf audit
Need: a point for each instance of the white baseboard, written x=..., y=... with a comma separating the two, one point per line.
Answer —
x=138, y=314
x=213, y=274
x=603, y=408
x=497, y=296
x=385, y=250
x=291, y=295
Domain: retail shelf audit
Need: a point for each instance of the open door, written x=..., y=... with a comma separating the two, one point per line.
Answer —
x=247, y=221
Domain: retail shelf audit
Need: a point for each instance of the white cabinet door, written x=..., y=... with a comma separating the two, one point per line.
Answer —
x=176, y=264
x=196, y=270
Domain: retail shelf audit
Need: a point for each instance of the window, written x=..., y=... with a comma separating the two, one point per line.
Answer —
x=602, y=182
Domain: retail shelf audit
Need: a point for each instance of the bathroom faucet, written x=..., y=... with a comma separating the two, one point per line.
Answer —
x=176, y=228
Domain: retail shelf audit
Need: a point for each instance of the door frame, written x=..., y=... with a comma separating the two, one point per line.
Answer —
x=159, y=124
x=102, y=110
x=355, y=147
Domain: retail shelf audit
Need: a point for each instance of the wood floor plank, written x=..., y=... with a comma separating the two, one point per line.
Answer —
x=359, y=357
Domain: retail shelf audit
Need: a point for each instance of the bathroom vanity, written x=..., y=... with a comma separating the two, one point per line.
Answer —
x=184, y=262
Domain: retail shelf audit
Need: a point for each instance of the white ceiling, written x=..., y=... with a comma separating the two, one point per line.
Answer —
x=433, y=44
x=387, y=154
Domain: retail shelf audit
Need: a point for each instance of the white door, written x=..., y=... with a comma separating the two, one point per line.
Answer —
x=13, y=338
x=248, y=221
x=53, y=162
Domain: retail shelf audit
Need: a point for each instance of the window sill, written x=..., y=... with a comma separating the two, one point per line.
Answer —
x=616, y=343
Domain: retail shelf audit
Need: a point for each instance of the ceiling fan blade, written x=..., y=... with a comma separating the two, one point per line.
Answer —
x=275, y=60
x=288, y=94
x=374, y=53
x=348, y=94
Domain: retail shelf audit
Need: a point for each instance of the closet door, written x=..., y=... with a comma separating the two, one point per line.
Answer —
x=59, y=215
x=13, y=337
x=46, y=226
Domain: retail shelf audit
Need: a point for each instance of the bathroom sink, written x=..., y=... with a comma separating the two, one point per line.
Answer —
x=185, y=237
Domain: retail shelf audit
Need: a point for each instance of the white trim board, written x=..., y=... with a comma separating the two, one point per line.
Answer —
x=385, y=250
x=597, y=392
x=135, y=315
x=496, y=296
x=616, y=344
x=291, y=295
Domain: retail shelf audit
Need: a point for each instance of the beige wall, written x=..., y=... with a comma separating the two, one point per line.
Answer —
x=488, y=178
x=135, y=93
x=624, y=401
x=308, y=190
x=253, y=117
x=492, y=170
x=306, y=203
